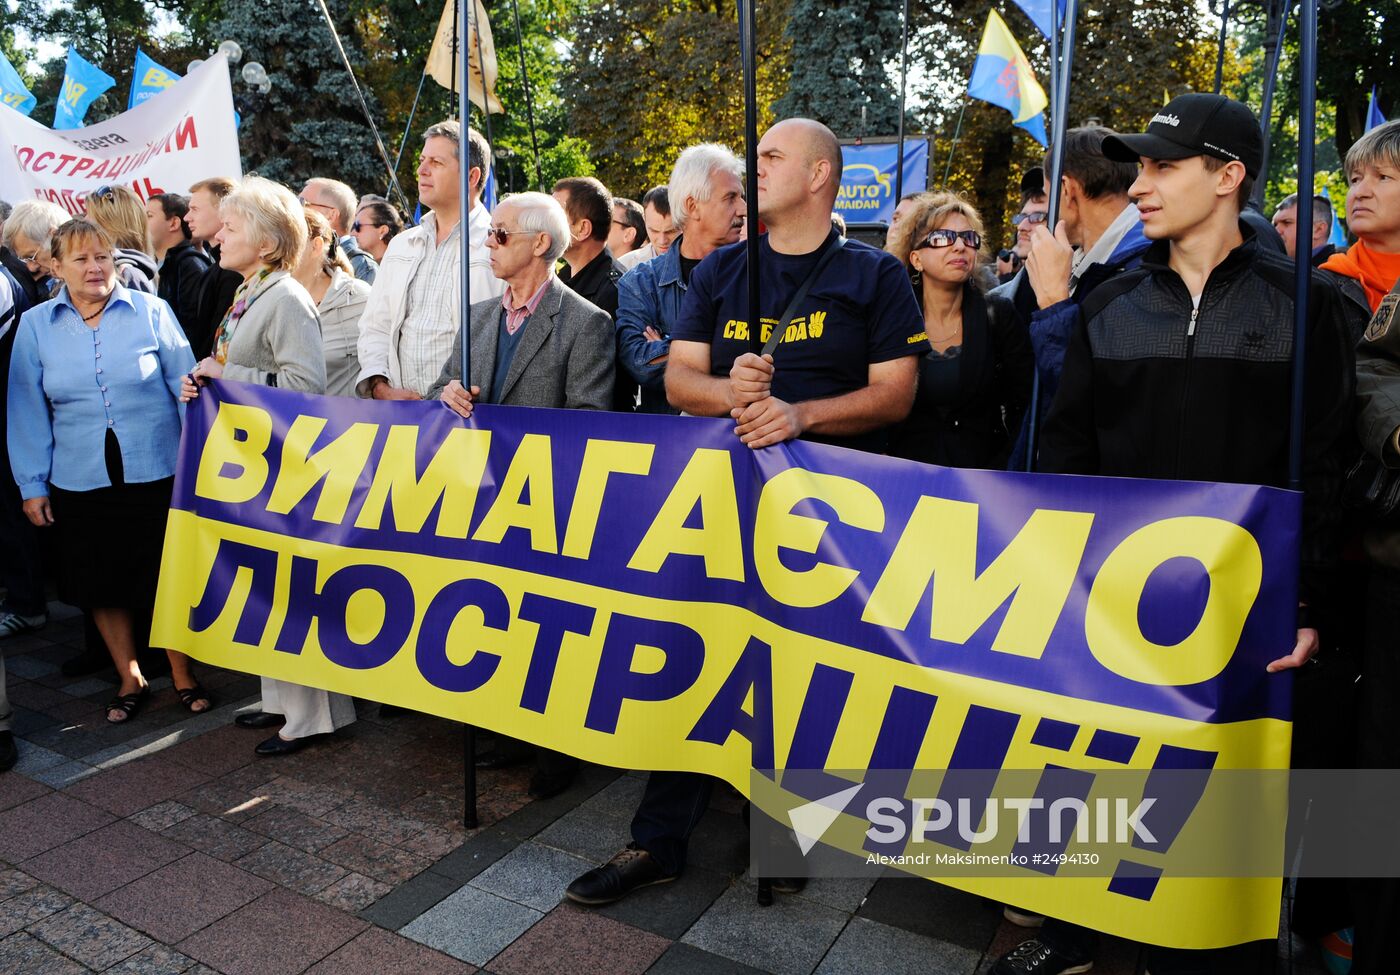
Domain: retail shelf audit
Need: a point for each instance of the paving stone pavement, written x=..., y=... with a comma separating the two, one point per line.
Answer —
x=164, y=846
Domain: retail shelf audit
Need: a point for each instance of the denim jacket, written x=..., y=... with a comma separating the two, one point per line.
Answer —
x=649, y=295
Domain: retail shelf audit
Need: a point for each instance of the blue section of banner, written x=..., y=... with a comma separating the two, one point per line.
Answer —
x=83, y=83
x=867, y=179
x=903, y=511
x=147, y=79
x=12, y=90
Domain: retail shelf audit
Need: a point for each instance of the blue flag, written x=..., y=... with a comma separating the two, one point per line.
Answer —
x=147, y=79
x=1039, y=13
x=12, y=90
x=1338, y=237
x=1374, y=116
x=83, y=83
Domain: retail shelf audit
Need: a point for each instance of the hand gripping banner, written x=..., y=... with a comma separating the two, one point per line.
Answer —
x=646, y=592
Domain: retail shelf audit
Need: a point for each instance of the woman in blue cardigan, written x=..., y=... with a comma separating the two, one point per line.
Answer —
x=93, y=429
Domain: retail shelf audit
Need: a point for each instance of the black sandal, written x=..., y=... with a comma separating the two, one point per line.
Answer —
x=127, y=704
x=192, y=695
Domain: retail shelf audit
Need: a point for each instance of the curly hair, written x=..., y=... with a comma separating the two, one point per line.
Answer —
x=933, y=212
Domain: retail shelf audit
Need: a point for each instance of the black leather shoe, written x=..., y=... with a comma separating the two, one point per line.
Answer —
x=546, y=785
x=614, y=880
x=259, y=719
x=8, y=753
x=277, y=745
x=1035, y=957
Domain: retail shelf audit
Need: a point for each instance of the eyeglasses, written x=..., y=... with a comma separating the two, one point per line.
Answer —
x=320, y=206
x=355, y=227
x=33, y=258
x=947, y=238
x=503, y=235
x=1035, y=216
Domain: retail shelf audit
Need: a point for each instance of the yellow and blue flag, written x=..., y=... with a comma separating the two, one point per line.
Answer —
x=83, y=83
x=1003, y=76
x=1374, y=115
x=12, y=90
x=147, y=79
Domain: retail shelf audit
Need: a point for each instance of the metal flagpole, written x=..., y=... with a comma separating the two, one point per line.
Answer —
x=903, y=89
x=1307, y=137
x=529, y=100
x=1220, y=54
x=469, y=813
x=957, y=131
x=747, y=29
x=1052, y=189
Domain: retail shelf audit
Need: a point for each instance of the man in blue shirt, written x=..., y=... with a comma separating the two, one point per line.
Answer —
x=707, y=193
x=843, y=371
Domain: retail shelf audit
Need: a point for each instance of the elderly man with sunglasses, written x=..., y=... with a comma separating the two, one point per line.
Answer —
x=414, y=312
x=540, y=344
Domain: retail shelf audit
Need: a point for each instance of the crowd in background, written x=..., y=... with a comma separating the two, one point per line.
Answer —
x=1155, y=319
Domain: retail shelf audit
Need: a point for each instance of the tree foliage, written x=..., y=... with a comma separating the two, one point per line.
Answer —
x=650, y=77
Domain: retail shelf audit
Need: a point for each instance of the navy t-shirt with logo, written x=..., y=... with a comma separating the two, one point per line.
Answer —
x=861, y=311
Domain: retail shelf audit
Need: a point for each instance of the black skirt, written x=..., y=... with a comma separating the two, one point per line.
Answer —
x=109, y=540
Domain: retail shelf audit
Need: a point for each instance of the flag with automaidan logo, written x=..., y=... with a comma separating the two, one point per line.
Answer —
x=481, y=87
x=1004, y=77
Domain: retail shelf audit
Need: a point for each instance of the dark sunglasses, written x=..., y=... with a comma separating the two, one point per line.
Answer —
x=947, y=238
x=355, y=227
x=503, y=235
x=1033, y=217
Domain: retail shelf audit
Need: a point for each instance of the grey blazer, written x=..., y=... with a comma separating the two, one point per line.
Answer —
x=565, y=359
x=278, y=340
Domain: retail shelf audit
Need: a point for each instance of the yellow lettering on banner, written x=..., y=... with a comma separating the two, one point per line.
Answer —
x=1236, y=569
x=453, y=476
x=532, y=467
x=338, y=463
x=939, y=545
x=776, y=527
x=223, y=448
x=601, y=458
x=708, y=480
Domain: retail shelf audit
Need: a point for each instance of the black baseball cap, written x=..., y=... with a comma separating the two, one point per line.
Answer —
x=1195, y=124
x=1033, y=182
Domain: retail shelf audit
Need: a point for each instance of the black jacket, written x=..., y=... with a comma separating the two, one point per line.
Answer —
x=1154, y=389
x=215, y=289
x=994, y=386
x=597, y=282
x=180, y=273
x=33, y=293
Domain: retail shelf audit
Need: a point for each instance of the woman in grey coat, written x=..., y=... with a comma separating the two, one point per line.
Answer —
x=340, y=298
x=271, y=336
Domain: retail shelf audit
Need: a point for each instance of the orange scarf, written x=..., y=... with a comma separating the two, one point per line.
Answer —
x=1377, y=272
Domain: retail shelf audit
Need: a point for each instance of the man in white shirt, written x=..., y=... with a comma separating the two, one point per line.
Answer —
x=415, y=310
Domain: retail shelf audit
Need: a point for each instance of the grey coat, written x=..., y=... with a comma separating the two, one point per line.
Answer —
x=277, y=342
x=564, y=360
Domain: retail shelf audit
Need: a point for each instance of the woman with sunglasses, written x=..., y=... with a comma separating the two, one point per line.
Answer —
x=326, y=274
x=975, y=382
x=375, y=225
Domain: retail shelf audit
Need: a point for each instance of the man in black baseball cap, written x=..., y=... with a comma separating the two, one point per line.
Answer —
x=1181, y=368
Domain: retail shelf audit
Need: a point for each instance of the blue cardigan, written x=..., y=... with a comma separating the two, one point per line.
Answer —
x=70, y=384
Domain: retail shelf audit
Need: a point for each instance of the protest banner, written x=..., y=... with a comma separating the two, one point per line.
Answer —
x=646, y=592
x=868, y=179
x=170, y=140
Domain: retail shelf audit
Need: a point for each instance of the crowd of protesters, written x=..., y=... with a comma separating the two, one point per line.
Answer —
x=1155, y=318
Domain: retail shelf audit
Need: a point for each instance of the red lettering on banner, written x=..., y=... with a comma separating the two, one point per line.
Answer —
x=101, y=169
x=25, y=155
x=149, y=190
x=63, y=160
x=43, y=157
x=185, y=135
x=82, y=164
